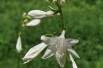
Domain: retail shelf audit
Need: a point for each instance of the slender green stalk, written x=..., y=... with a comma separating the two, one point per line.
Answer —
x=18, y=61
x=61, y=15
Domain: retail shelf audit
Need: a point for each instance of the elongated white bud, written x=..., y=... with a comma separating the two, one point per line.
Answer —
x=40, y=14
x=33, y=22
x=37, y=13
x=19, y=45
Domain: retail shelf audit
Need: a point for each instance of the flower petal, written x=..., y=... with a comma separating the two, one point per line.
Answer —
x=73, y=53
x=33, y=22
x=48, y=53
x=73, y=62
x=72, y=42
x=62, y=34
x=33, y=52
x=37, y=13
x=61, y=58
x=45, y=39
x=19, y=45
x=49, y=13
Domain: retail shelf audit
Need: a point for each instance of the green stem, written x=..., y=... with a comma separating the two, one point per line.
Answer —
x=62, y=19
x=18, y=61
x=61, y=15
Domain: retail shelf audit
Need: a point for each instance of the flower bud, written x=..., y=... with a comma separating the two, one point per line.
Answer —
x=19, y=45
x=37, y=13
x=33, y=22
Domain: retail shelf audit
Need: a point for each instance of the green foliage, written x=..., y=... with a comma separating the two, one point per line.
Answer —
x=84, y=19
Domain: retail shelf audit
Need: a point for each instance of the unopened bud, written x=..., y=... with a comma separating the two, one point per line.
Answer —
x=37, y=13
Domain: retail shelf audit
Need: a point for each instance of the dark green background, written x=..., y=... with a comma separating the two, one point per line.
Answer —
x=84, y=19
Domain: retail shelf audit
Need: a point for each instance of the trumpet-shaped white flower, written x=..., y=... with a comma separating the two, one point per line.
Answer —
x=33, y=22
x=19, y=45
x=33, y=52
x=40, y=13
x=58, y=47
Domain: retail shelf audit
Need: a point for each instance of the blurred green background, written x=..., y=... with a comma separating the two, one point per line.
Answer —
x=84, y=19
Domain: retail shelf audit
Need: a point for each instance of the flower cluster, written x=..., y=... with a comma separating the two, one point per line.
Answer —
x=57, y=45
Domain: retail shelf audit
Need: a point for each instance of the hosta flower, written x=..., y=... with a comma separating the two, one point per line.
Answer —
x=33, y=22
x=33, y=52
x=58, y=47
x=39, y=13
x=19, y=45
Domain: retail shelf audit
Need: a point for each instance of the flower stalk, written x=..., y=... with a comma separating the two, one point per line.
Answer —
x=18, y=61
x=61, y=15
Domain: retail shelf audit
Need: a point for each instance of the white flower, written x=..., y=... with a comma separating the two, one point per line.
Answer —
x=39, y=13
x=62, y=2
x=33, y=22
x=19, y=45
x=58, y=47
x=33, y=52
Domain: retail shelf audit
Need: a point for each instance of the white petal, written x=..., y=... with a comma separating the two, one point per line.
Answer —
x=73, y=62
x=61, y=58
x=37, y=13
x=19, y=45
x=49, y=13
x=44, y=38
x=33, y=22
x=33, y=52
x=72, y=42
x=48, y=53
x=73, y=53
x=62, y=34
